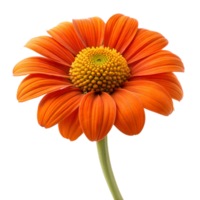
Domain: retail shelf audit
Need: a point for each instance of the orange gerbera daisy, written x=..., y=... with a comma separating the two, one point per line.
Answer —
x=96, y=75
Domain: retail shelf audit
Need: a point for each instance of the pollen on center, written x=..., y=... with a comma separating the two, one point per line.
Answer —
x=99, y=69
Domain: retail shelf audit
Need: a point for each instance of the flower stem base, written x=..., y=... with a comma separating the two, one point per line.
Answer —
x=102, y=147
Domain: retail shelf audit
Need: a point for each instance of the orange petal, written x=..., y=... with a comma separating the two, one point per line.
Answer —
x=97, y=115
x=109, y=27
x=49, y=48
x=40, y=65
x=70, y=127
x=90, y=31
x=56, y=106
x=130, y=116
x=36, y=85
x=119, y=32
x=167, y=80
x=160, y=62
x=144, y=44
x=65, y=34
x=152, y=95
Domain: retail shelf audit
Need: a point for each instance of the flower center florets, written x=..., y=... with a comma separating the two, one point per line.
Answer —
x=99, y=69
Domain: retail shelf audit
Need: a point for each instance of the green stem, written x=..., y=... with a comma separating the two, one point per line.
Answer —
x=102, y=147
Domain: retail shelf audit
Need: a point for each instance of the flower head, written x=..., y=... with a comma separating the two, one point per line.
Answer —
x=96, y=75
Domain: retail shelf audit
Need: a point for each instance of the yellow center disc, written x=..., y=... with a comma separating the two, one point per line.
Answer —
x=99, y=69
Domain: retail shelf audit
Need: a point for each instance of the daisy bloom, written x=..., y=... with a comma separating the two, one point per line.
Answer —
x=95, y=75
